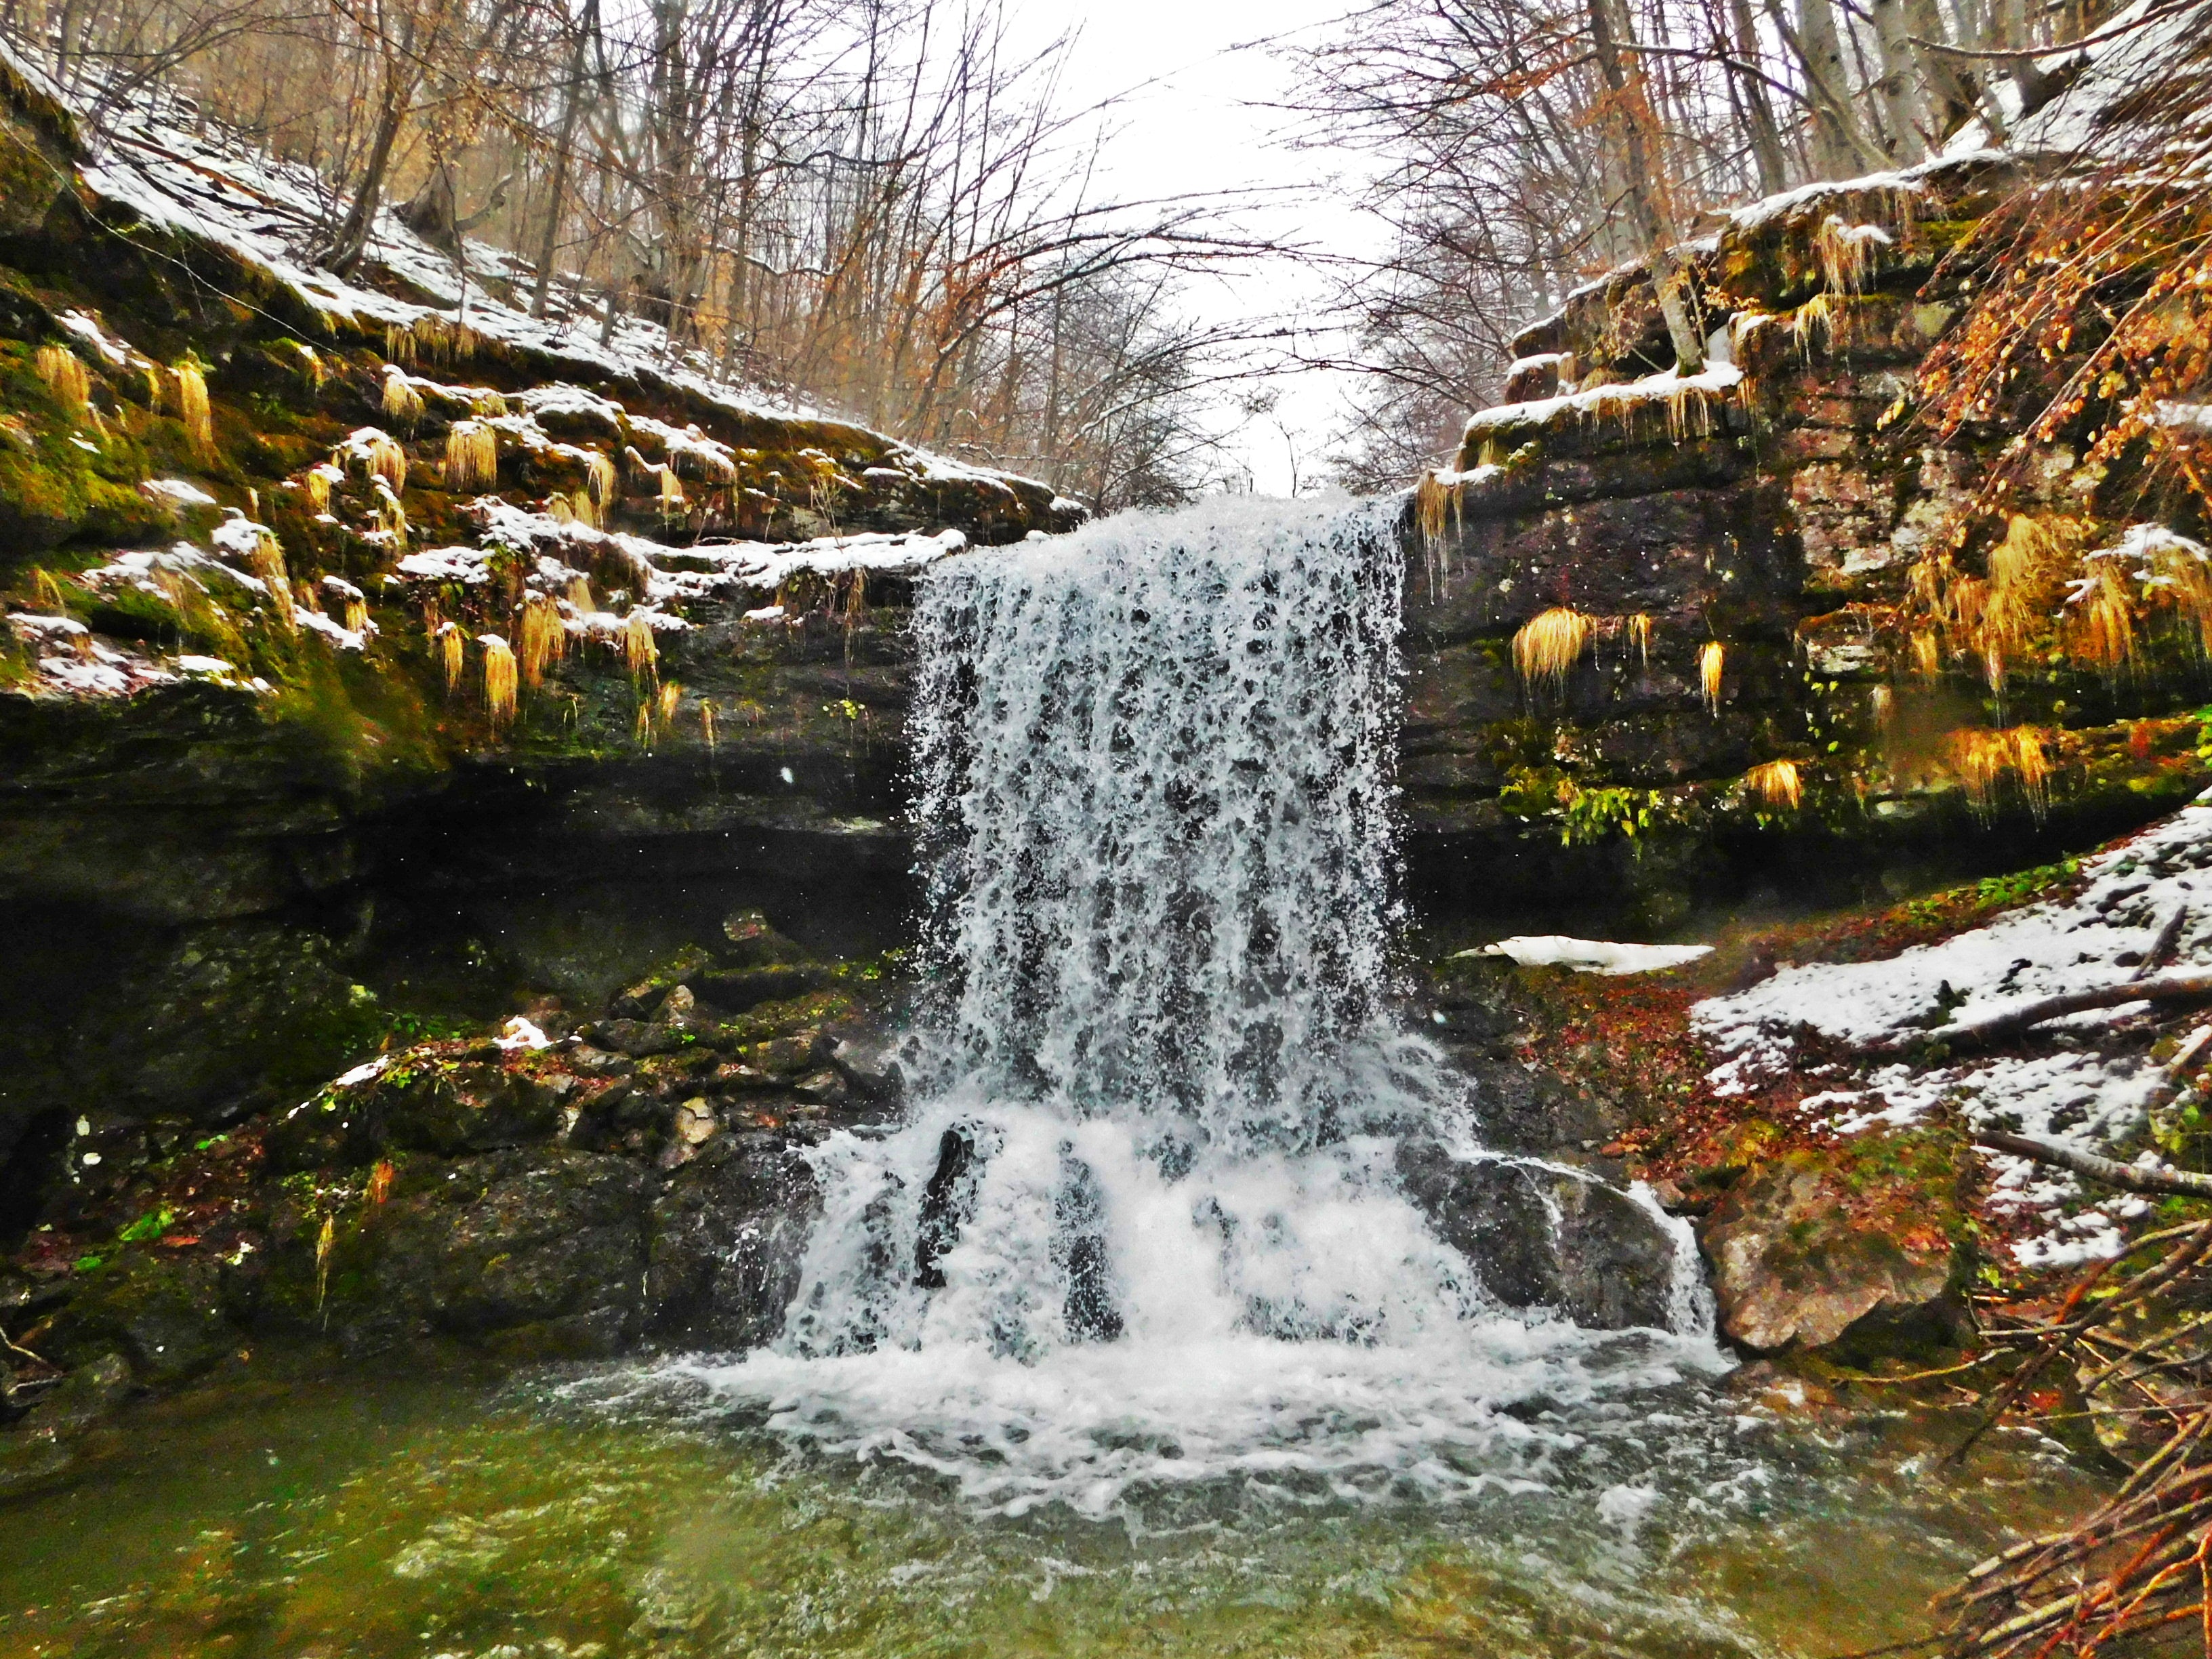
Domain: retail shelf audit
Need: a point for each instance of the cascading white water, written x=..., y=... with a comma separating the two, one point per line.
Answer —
x=1141, y=1224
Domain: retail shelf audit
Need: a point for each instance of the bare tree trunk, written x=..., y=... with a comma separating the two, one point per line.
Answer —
x=1950, y=96
x=1835, y=152
x=1893, y=89
x=558, y=190
x=1632, y=122
x=352, y=239
x=1759, y=109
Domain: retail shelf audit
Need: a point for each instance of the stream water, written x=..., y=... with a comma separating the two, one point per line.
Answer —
x=1126, y=1341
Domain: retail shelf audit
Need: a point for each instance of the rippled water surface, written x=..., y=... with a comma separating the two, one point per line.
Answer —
x=633, y=1511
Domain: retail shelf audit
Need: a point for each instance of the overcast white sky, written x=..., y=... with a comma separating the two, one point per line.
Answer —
x=1194, y=76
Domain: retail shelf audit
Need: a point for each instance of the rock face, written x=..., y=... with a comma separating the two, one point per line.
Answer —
x=1758, y=511
x=1858, y=1248
x=1539, y=1237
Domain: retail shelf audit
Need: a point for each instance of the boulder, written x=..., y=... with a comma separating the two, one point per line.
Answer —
x=1543, y=1237
x=164, y=1313
x=1861, y=1247
x=639, y=1000
x=728, y=1237
x=40, y=1447
x=542, y=1248
x=754, y=942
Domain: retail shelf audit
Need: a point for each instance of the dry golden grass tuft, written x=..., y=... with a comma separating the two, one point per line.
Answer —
x=1778, y=782
x=402, y=403
x=640, y=652
x=1550, y=644
x=471, y=457
x=192, y=408
x=63, y=372
x=1712, y=667
x=1981, y=759
x=544, y=639
x=499, y=678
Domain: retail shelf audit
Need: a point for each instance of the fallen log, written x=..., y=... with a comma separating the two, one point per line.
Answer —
x=1969, y=1034
x=2107, y=1171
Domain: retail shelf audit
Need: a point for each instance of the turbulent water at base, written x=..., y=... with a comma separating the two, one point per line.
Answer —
x=1140, y=1228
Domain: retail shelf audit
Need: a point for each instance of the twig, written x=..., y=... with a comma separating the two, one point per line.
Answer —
x=2180, y=988
x=2110, y=1172
x=2162, y=947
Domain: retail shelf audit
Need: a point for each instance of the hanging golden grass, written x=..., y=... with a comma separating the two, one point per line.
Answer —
x=1982, y=760
x=356, y=614
x=1882, y=705
x=315, y=485
x=639, y=653
x=485, y=403
x=1636, y=631
x=1434, y=502
x=671, y=494
x=471, y=457
x=267, y=564
x=706, y=722
x=62, y=371
x=192, y=408
x=324, y=1242
x=453, y=654
x=2181, y=581
x=49, y=590
x=544, y=639
x=1820, y=324
x=1550, y=644
x=391, y=517
x=399, y=344
x=1927, y=655
x=671, y=698
x=584, y=509
x=499, y=678
x=579, y=595
x=387, y=460
x=1712, y=666
x=2104, y=629
x=601, y=479
x=1778, y=782
x=312, y=370
x=558, y=509
x=380, y=1177
x=1846, y=253
x=403, y=403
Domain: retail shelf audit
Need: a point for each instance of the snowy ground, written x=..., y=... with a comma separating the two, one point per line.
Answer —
x=2086, y=1081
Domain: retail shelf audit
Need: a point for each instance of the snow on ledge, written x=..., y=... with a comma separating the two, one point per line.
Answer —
x=1589, y=956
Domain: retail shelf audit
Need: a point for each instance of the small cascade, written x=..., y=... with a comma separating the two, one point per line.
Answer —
x=1152, y=1204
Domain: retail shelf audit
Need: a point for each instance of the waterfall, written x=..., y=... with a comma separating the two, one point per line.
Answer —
x=1144, y=1218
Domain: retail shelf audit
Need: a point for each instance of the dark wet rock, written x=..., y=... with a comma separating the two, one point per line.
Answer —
x=41, y=1446
x=786, y=1057
x=727, y=1239
x=639, y=1001
x=948, y=1199
x=1536, y=1112
x=543, y=1247
x=737, y=990
x=1544, y=1237
x=1861, y=1248
x=637, y=1039
x=866, y=1055
x=427, y=1104
x=754, y=942
x=164, y=1313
